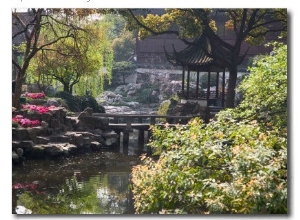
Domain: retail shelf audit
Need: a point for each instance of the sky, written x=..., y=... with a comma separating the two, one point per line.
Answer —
x=5, y=114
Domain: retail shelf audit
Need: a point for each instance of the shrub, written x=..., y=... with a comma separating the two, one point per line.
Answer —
x=37, y=108
x=265, y=89
x=164, y=106
x=34, y=95
x=79, y=103
x=146, y=97
x=72, y=101
x=25, y=122
x=237, y=163
x=222, y=167
x=90, y=101
x=15, y=124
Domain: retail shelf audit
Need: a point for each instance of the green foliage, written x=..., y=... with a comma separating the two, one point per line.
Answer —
x=90, y=101
x=71, y=101
x=15, y=124
x=237, y=163
x=145, y=96
x=165, y=105
x=163, y=108
x=79, y=103
x=265, y=89
x=123, y=66
x=103, y=53
x=222, y=167
x=123, y=46
x=83, y=61
x=117, y=24
x=120, y=70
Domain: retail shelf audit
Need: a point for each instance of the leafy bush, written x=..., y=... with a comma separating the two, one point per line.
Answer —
x=72, y=101
x=90, y=101
x=79, y=103
x=15, y=124
x=146, y=97
x=163, y=108
x=25, y=122
x=222, y=167
x=123, y=66
x=237, y=163
x=265, y=89
x=34, y=95
x=121, y=70
x=165, y=105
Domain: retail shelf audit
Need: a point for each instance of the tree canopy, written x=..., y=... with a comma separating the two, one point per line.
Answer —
x=83, y=61
x=123, y=41
x=31, y=29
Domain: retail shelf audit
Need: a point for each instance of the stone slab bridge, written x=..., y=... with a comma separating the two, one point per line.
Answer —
x=126, y=123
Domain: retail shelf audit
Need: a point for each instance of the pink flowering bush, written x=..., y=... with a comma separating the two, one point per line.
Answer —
x=25, y=122
x=34, y=95
x=38, y=108
x=25, y=186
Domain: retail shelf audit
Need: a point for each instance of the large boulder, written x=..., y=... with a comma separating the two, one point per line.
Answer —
x=53, y=102
x=186, y=109
x=86, y=120
x=20, y=134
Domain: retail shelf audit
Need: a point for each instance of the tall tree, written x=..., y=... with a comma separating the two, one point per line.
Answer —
x=250, y=25
x=123, y=46
x=30, y=30
x=73, y=59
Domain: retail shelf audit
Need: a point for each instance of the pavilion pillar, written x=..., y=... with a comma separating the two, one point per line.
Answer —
x=217, y=85
x=188, y=84
x=223, y=89
x=208, y=89
x=197, y=85
x=182, y=81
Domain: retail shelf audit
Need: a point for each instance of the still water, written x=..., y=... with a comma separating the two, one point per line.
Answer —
x=91, y=183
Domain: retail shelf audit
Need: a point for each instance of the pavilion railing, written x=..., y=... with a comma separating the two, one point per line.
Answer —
x=202, y=95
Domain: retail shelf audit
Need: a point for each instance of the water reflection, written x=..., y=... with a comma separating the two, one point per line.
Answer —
x=94, y=183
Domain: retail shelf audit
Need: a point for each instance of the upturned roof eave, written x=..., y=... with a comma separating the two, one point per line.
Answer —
x=193, y=56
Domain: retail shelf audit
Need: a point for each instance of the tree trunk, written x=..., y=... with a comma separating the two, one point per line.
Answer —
x=66, y=87
x=231, y=88
x=18, y=91
x=71, y=89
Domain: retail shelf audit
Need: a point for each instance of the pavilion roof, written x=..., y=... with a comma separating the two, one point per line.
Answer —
x=196, y=56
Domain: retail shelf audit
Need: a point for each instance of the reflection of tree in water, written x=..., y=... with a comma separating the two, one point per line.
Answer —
x=106, y=193
x=114, y=193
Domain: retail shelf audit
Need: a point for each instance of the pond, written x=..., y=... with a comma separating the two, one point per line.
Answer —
x=90, y=183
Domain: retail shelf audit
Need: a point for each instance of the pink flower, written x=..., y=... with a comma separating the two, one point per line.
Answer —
x=19, y=186
x=31, y=186
x=34, y=95
x=19, y=116
x=35, y=123
x=38, y=108
x=25, y=122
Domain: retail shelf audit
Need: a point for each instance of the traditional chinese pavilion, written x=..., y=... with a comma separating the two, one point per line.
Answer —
x=198, y=59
